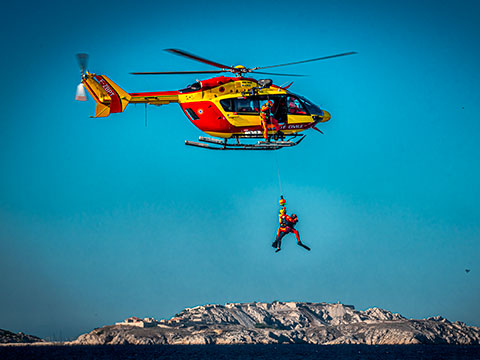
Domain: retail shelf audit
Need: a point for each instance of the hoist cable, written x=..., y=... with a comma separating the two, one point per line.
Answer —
x=278, y=172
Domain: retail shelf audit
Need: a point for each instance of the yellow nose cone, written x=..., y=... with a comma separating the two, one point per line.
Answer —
x=326, y=116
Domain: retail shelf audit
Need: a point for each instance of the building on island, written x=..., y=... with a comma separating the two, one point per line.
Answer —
x=135, y=321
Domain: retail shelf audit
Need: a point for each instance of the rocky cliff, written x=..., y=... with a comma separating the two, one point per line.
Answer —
x=287, y=322
x=7, y=337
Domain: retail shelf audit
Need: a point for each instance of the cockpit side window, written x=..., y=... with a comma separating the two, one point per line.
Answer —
x=295, y=106
x=227, y=105
x=246, y=105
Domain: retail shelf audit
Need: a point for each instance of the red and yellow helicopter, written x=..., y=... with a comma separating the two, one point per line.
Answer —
x=223, y=107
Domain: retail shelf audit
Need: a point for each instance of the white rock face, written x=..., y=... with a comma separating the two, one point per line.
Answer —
x=288, y=322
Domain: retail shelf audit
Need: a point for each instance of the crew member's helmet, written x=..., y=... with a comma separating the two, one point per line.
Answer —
x=294, y=216
x=269, y=103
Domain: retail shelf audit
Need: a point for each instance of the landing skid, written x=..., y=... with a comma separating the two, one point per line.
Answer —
x=218, y=144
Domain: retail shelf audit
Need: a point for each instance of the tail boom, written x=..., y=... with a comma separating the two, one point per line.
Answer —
x=111, y=98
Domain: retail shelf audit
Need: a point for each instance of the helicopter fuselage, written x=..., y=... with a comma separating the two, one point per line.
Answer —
x=229, y=107
x=222, y=106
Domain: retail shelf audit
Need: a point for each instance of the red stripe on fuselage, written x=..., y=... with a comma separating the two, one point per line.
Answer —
x=115, y=102
x=210, y=117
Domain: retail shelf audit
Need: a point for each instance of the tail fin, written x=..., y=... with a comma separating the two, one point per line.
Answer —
x=110, y=97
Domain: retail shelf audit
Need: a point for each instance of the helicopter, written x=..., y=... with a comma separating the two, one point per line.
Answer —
x=224, y=107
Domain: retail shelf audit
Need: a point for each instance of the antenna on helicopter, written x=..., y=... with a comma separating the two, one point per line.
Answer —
x=82, y=62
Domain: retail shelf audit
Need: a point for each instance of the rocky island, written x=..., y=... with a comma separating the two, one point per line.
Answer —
x=8, y=337
x=283, y=322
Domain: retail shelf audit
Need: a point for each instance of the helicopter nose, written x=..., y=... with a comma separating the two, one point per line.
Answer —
x=326, y=116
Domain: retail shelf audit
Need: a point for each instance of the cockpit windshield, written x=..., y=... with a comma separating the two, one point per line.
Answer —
x=311, y=107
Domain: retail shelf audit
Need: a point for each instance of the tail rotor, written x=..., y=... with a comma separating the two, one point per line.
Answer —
x=82, y=62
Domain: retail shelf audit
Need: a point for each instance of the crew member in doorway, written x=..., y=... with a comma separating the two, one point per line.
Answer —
x=267, y=118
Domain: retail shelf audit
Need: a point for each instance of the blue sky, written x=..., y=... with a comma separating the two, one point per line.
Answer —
x=101, y=219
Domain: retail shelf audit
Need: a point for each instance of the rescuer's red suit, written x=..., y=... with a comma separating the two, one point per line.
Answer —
x=287, y=224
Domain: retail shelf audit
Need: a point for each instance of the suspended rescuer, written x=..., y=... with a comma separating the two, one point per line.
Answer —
x=287, y=225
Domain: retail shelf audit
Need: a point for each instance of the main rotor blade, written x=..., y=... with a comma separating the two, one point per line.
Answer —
x=198, y=58
x=177, y=72
x=267, y=73
x=304, y=61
